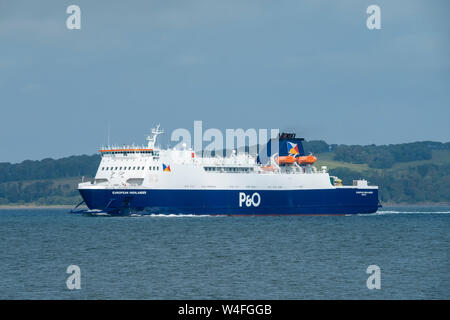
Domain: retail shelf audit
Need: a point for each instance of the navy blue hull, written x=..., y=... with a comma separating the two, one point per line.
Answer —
x=233, y=202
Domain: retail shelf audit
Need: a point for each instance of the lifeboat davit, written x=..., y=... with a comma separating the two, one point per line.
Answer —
x=285, y=160
x=306, y=159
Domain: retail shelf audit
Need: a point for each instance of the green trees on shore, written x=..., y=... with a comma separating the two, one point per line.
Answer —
x=47, y=181
x=411, y=184
x=74, y=166
x=386, y=156
x=407, y=173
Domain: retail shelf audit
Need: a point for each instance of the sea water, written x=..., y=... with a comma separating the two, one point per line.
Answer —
x=208, y=257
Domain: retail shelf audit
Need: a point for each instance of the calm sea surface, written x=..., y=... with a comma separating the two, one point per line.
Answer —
x=165, y=257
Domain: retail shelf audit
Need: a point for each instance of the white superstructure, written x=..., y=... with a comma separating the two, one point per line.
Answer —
x=149, y=167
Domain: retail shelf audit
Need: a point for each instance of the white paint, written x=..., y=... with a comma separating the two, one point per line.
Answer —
x=252, y=200
x=189, y=172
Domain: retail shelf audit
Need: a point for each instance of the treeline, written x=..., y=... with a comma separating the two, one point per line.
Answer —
x=39, y=192
x=412, y=184
x=316, y=146
x=379, y=157
x=74, y=166
x=383, y=157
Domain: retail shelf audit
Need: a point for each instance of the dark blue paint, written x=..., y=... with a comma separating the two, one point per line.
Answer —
x=226, y=202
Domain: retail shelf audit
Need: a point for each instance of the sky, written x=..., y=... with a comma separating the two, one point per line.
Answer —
x=312, y=67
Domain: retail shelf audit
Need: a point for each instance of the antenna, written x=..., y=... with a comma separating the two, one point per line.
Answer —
x=152, y=139
x=108, y=134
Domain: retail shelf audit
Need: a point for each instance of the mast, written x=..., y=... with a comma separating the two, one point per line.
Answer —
x=152, y=138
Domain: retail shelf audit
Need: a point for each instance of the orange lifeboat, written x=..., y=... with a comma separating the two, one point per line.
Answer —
x=306, y=159
x=268, y=168
x=285, y=160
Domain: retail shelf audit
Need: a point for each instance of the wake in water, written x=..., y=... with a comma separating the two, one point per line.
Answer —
x=100, y=213
x=172, y=215
x=385, y=212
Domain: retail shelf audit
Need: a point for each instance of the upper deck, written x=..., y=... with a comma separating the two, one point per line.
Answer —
x=127, y=150
x=149, y=166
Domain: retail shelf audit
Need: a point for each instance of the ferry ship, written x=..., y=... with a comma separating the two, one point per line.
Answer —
x=149, y=180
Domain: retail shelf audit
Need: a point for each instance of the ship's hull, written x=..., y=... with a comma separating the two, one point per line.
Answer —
x=335, y=201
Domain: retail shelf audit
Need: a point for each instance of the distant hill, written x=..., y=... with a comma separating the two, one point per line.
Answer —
x=416, y=172
x=47, y=181
x=411, y=173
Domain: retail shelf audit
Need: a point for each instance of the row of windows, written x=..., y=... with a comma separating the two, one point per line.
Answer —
x=228, y=169
x=131, y=152
x=154, y=168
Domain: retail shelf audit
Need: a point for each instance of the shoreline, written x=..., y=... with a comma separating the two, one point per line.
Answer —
x=35, y=206
x=421, y=204
x=69, y=206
